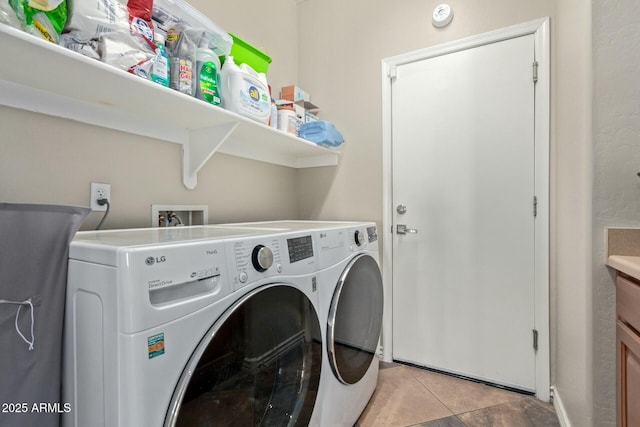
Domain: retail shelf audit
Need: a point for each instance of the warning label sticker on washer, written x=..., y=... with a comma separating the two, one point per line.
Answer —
x=155, y=344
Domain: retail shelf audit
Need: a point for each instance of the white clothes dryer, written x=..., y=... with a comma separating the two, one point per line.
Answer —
x=192, y=326
x=351, y=307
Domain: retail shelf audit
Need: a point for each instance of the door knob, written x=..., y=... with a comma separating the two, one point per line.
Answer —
x=402, y=229
x=401, y=209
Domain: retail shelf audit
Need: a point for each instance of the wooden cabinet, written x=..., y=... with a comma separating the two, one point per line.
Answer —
x=628, y=350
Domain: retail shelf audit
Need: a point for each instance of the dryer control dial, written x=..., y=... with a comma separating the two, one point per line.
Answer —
x=360, y=238
x=262, y=258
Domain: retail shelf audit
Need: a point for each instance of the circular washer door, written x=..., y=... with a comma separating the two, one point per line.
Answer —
x=259, y=364
x=355, y=319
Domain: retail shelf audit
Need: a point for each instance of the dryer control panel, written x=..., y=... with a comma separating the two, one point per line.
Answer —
x=336, y=245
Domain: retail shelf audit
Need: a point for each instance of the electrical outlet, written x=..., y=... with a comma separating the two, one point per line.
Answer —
x=99, y=191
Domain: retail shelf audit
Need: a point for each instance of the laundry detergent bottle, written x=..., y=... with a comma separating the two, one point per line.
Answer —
x=245, y=91
x=207, y=69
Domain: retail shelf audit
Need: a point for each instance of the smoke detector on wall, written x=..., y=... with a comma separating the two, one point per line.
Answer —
x=442, y=16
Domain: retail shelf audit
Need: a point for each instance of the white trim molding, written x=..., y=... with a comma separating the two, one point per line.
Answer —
x=561, y=412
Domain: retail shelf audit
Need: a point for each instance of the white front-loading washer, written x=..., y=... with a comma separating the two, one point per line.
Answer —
x=192, y=326
x=351, y=307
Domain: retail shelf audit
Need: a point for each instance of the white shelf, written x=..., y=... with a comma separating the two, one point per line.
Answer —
x=42, y=77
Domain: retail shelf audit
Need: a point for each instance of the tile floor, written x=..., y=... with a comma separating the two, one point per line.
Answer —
x=409, y=396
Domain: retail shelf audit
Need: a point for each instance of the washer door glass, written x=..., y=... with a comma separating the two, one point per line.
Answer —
x=259, y=365
x=355, y=319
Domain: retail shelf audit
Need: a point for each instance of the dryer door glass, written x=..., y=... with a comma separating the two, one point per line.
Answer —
x=259, y=365
x=355, y=319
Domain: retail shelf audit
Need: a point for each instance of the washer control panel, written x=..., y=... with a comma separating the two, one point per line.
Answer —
x=300, y=248
x=262, y=257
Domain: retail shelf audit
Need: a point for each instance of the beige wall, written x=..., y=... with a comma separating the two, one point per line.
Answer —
x=269, y=26
x=340, y=52
x=49, y=160
x=616, y=158
x=334, y=50
x=572, y=176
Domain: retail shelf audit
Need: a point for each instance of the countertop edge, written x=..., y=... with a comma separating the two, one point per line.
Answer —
x=629, y=265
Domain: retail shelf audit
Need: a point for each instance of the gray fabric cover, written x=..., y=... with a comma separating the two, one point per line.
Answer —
x=34, y=250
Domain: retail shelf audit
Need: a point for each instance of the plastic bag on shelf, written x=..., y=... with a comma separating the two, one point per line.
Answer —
x=44, y=19
x=8, y=15
x=128, y=52
x=85, y=47
x=90, y=19
x=178, y=14
x=119, y=32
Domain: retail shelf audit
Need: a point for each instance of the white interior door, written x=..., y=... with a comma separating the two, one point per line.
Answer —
x=463, y=165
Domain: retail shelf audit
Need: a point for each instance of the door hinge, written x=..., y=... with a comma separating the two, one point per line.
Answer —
x=535, y=340
x=535, y=72
x=535, y=206
x=393, y=72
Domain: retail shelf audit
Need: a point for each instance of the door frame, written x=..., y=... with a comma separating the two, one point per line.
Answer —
x=540, y=29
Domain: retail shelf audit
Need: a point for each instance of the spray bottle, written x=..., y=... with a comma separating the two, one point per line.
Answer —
x=273, y=117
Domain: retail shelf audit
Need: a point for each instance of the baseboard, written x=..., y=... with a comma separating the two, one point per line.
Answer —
x=559, y=407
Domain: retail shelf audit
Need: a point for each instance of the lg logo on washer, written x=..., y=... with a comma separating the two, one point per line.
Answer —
x=153, y=260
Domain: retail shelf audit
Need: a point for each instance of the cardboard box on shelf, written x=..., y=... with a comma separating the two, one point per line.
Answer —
x=310, y=117
x=300, y=111
x=303, y=114
x=294, y=93
x=309, y=106
x=300, y=115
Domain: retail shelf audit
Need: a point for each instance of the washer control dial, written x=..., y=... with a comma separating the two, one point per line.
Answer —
x=360, y=238
x=262, y=258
